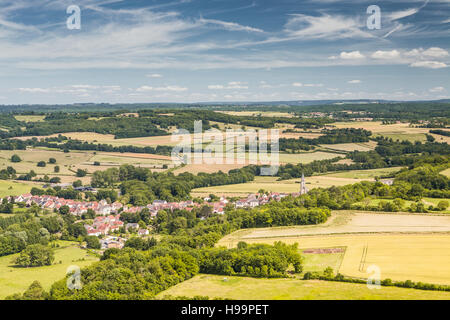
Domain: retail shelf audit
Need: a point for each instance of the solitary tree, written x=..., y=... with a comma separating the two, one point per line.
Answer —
x=35, y=255
x=41, y=164
x=15, y=158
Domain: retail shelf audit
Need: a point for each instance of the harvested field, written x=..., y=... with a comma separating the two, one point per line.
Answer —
x=256, y=113
x=152, y=157
x=31, y=157
x=400, y=257
x=109, y=139
x=346, y=222
x=404, y=246
x=272, y=184
x=324, y=251
x=347, y=147
x=296, y=135
x=440, y=138
x=401, y=131
x=446, y=173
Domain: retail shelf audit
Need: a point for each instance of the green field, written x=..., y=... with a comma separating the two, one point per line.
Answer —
x=365, y=174
x=13, y=188
x=317, y=262
x=412, y=137
x=426, y=201
x=16, y=280
x=241, y=288
x=30, y=118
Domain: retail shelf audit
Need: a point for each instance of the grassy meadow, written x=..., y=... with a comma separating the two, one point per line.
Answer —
x=16, y=280
x=30, y=118
x=14, y=188
x=238, y=288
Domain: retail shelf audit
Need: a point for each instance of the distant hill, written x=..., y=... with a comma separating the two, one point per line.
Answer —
x=92, y=107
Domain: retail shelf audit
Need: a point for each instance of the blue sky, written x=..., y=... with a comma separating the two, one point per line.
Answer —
x=222, y=50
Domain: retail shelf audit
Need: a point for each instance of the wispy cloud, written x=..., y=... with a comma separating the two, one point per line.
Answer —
x=325, y=27
x=230, y=26
x=229, y=86
x=167, y=88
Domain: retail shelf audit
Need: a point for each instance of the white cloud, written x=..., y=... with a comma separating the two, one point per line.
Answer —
x=216, y=87
x=437, y=89
x=314, y=85
x=297, y=84
x=34, y=90
x=167, y=88
x=354, y=81
x=435, y=52
x=84, y=86
x=154, y=75
x=429, y=64
x=386, y=54
x=230, y=85
x=351, y=55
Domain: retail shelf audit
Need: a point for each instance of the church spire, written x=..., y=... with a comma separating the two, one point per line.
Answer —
x=303, y=188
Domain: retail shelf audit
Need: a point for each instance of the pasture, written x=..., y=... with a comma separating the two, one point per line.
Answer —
x=364, y=174
x=16, y=280
x=31, y=157
x=238, y=288
x=13, y=188
x=70, y=162
x=30, y=118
